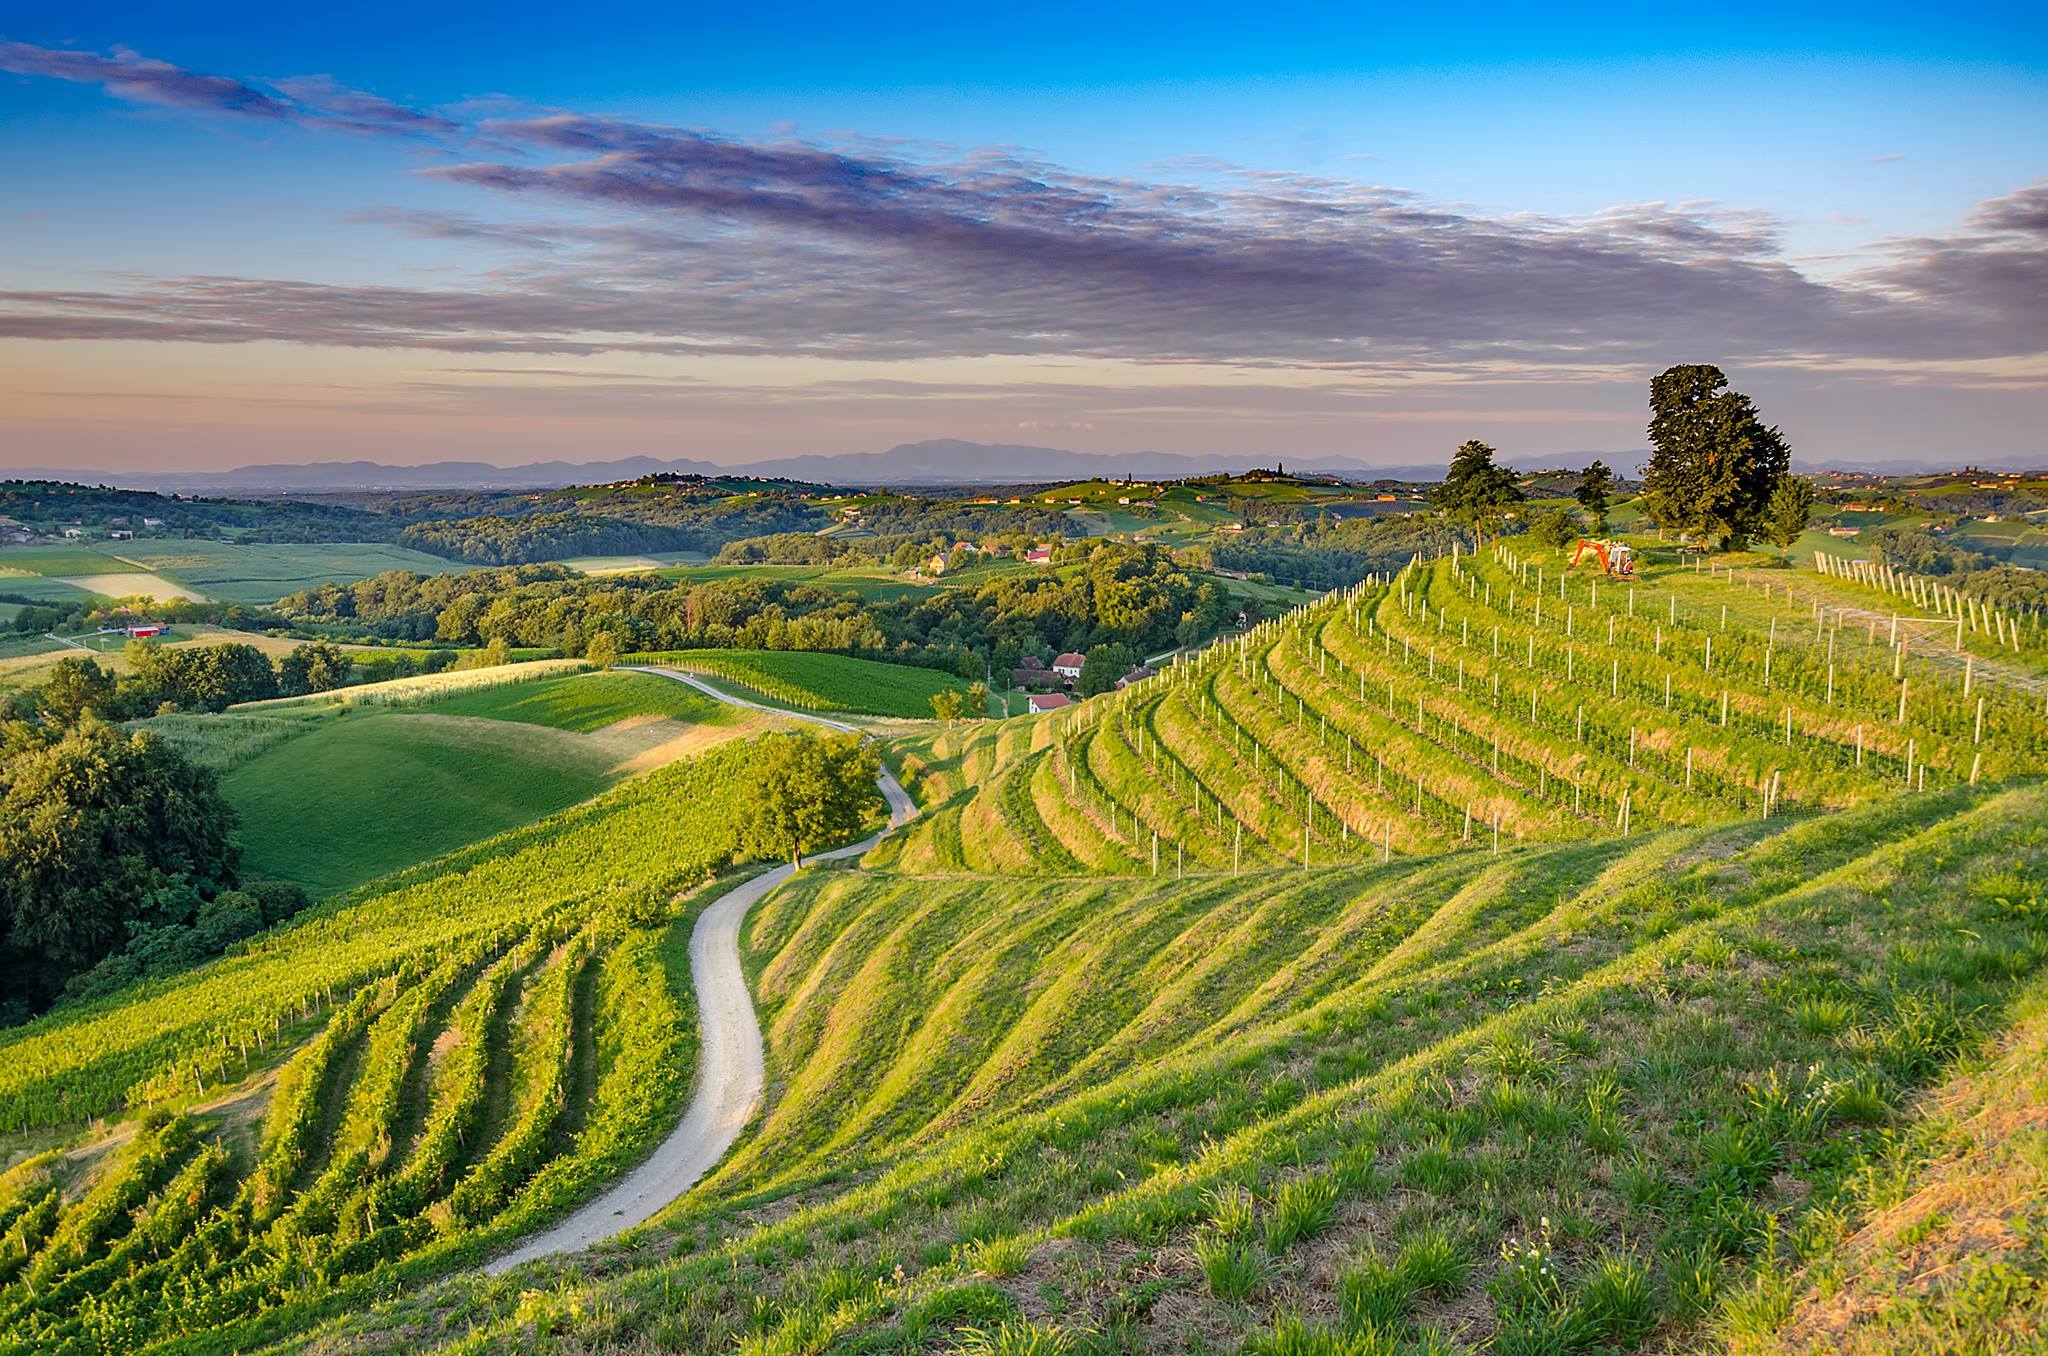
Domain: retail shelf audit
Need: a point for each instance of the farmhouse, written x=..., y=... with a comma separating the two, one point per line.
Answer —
x=1136, y=675
x=1031, y=674
x=1039, y=555
x=1068, y=665
x=1048, y=701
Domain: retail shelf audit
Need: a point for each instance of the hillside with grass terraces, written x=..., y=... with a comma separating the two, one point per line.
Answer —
x=1613, y=1092
x=1484, y=957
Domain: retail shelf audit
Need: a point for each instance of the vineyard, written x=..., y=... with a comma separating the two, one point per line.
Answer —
x=817, y=682
x=391, y=1084
x=1477, y=703
x=1584, y=1095
x=583, y=703
x=423, y=687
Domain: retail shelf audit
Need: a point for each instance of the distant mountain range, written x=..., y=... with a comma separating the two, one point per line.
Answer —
x=939, y=461
x=936, y=462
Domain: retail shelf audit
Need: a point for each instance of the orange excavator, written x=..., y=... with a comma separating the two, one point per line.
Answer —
x=1616, y=558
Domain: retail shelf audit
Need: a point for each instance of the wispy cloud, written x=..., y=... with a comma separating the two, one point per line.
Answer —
x=312, y=100
x=635, y=237
x=326, y=103
x=130, y=75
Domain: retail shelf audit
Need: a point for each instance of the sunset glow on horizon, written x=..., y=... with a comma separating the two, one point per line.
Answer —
x=687, y=236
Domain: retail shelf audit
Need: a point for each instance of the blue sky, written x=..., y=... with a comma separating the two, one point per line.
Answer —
x=507, y=233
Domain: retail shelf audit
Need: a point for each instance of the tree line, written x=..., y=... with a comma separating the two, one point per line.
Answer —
x=1137, y=595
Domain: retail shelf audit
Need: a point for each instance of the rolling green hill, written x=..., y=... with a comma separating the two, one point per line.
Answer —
x=341, y=787
x=364, y=795
x=1479, y=959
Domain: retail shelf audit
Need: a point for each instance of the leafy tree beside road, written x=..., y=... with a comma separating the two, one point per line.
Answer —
x=1716, y=462
x=802, y=792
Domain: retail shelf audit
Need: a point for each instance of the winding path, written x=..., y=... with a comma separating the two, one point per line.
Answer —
x=730, y=1069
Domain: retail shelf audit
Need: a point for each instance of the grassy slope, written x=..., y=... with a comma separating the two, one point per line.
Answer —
x=366, y=794
x=818, y=682
x=1952, y=1253
x=588, y=702
x=333, y=795
x=1183, y=1115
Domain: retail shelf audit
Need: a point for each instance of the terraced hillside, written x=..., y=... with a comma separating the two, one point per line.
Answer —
x=386, y=1087
x=1471, y=961
x=1469, y=702
x=1583, y=1095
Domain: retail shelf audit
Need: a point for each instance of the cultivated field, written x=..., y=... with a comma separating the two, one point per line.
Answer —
x=258, y=574
x=167, y=568
x=1582, y=1095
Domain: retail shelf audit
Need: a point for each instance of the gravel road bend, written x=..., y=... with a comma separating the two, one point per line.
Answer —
x=730, y=1068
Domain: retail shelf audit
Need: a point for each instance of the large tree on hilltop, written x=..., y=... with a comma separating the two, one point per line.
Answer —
x=1716, y=462
x=1476, y=491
